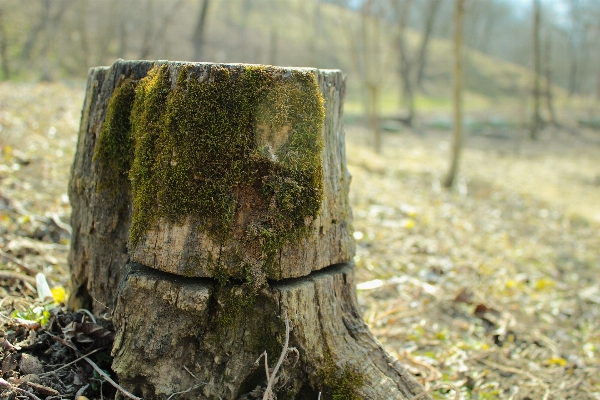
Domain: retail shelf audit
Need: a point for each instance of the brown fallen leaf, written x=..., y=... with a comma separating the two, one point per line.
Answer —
x=43, y=390
x=464, y=296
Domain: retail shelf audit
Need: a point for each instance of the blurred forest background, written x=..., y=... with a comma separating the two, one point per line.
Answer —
x=401, y=49
x=492, y=285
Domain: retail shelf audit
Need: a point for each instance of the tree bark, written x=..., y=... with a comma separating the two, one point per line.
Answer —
x=99, y=242
x=198, y=327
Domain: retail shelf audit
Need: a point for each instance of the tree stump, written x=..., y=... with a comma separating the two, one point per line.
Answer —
x=262, y=191
x=210, y=211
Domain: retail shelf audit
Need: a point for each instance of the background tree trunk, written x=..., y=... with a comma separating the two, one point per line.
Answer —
x=3, y=45
x=405, y=65
x=536, y=119
x=457, y=95
x=198, y=37
x=201, y=338
x=548, y=76
x=433, y=7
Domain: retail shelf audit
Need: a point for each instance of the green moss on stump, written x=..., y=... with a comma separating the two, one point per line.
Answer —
x=340, y=383
x=113, y=152
x=194, y=148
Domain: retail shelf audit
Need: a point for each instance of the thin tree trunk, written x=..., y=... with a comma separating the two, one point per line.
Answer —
x=109, y=29
x=548, y=76
x=536, y=118
x=316, y=34
x=160, y=33
x=155, y=34
x=457, y=96
x=273, y=47
x=199, y=32
x=123, y=28
x=3, y=48
x=34, y=34
x=48, y=40
x=147, y=38
x=373, y=93
x=432, y=12
x=82, y=31
x=598, y=85
x=405, y=68
x=367, y=55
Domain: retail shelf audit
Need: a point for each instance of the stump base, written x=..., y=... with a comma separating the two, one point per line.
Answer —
x=192, y=336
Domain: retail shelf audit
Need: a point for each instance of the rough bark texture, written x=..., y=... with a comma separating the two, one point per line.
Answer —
x=189, y=327
x=101, y=219
x=100, y=223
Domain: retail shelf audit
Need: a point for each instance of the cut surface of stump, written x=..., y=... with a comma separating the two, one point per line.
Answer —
x=209, y=170
x=194, y=334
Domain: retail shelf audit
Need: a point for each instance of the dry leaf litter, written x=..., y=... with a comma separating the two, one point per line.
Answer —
x=491, y=287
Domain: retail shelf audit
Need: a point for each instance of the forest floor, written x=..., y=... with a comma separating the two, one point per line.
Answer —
x=491, y=287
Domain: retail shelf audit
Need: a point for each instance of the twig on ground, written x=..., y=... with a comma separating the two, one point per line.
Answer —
x=6, y=385
x=97, y=368
x=187, y=390
x=190, y=389
x=266, y=363
x=109, y=380
x=190, y=372
x=436, y=387
x=81, y=391
x=5, y=344
x=514, y=371
x=272, y=379
x=71, y=363
x=17, y=276
x=88, y=313
x=22, y=266
x=43, y=390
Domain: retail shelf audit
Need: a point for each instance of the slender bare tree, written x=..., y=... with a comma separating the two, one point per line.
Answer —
x=199, y=32
x=405, y=65
x=459, y=14
x=433, y=6
x=548, y=79
x=536, y=119
x=155, y=35
x=3, y=47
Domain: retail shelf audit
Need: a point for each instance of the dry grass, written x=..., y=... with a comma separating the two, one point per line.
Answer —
x=491, y=287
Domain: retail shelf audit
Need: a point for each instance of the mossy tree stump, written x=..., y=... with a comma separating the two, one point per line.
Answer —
x=210, y=206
